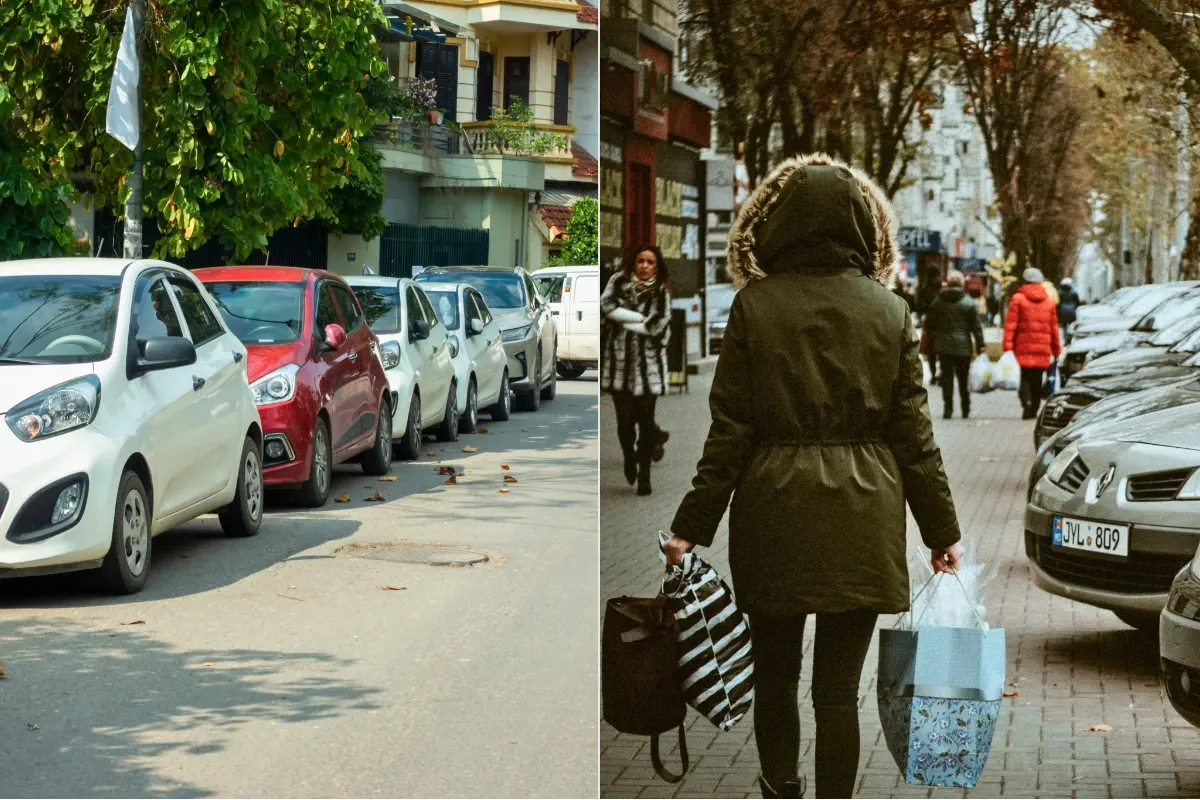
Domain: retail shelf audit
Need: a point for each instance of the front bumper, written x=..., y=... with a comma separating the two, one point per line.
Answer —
x=1179, y=646
x=1057, y=413
x=522, y=358
x=26, y=470
x=290, y=424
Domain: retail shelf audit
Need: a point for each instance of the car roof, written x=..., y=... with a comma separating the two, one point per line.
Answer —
x=433, y=270
x=67, y=266
x=443, y=286
x=253, y=273
x=372, y=280
x=566, y=270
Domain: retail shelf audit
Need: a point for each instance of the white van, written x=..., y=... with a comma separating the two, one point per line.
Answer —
x=574, y=297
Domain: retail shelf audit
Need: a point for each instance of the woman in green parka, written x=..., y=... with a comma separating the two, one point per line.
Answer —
x=820, y=434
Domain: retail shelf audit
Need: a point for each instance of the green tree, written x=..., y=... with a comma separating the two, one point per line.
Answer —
x=251, y=117
x=581, y=235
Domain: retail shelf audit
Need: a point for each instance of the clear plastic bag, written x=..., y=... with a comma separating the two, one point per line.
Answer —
x=947, y=600
x=980, y=377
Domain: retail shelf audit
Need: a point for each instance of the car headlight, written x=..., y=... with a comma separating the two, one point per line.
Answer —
x=1191, y=489
x=516, y=334
x=389, y=354
x=1060, y=463
x=275, y=387
x=453, y=345
x=1195, y=567
x=57, y=410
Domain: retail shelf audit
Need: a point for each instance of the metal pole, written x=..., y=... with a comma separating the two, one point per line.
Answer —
x=133, y=205
x=1182, y=190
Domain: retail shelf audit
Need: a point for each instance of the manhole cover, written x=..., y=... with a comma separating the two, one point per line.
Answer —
x=433, y=555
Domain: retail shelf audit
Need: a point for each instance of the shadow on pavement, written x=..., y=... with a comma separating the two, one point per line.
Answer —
x=134, y=700
x=1127, y=652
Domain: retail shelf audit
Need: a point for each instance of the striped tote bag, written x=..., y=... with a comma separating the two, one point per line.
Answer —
x=715, y=662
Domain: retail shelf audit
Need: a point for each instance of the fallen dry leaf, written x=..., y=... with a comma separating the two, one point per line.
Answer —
x=524, y=430
x=509, y=479
x=388, y=478
x=289, y=597
x=375, y=498
x=1012, y=694
x=451, y=481
x=505, y=467
x=32, y=727
x=343, y=499
x=469, y=449
x=134, y=622
x=2, y=672
x=1101, y=728
x=481, y=430
x=431, y=454
x=505, y=491
x=393, y=588
x=446, y=471
x=208, y=664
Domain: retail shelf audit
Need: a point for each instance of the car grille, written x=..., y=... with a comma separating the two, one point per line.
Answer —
x=1074, y=476
x=1157, y=486
x=1140, y=573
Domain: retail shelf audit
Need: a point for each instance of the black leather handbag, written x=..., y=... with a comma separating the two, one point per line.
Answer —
x=639, y=677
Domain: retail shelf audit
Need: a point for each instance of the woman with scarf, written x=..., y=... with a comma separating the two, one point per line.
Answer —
x=636, y=311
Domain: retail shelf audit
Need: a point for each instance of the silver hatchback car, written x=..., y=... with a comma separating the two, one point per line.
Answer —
x=1115, y=517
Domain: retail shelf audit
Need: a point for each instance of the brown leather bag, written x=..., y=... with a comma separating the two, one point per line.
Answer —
x=639, y=679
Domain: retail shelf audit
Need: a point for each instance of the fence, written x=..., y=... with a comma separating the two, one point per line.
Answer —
x=404, y=246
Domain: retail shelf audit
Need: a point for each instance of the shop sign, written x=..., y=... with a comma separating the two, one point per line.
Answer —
x=719, y=184
x=920, y=240
x=610, y=152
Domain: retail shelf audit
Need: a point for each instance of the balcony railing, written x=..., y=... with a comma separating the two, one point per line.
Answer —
x=417, y=137
x=483, y=141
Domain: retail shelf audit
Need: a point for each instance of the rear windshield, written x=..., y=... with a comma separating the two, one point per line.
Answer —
x=501, y=290
x=59, y=319
x=261, y=312
x=446, y=306
x=381, y=306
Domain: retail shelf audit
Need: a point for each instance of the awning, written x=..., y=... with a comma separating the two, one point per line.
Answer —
x=423, y=23
x=398, y=29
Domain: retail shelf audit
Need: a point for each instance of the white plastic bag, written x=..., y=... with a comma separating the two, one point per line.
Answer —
x=947, y=600
x=980, y=378
x=1006, y=373
x=926, y=375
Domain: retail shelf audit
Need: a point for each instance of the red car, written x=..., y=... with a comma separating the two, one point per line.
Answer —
x=314, y=369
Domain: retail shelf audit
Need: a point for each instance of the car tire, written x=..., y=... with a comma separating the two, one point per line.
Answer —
x=410, y=445
x=470, y=417
x=551, y=391
x=532, y=400
x=1145, y=622
x=378, y=460
x=315, y=491
x=570, y=371
x=243, y=517
x=502, y=410
x=127, y=564
x=447, y=429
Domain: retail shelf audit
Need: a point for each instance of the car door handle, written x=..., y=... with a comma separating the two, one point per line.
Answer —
x=237, y=358
x=197, y=383
x=580, y=314
x=555, y=313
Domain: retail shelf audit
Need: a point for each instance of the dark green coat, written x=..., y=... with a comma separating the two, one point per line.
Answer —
x=953, y=322
x=820, y=425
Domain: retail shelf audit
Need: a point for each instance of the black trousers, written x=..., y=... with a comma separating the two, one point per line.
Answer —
x=636, y=429
x=1032, y=382
x=840, y=647
x=956, y=367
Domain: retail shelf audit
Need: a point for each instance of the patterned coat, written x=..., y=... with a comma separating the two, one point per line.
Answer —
x=634, y=362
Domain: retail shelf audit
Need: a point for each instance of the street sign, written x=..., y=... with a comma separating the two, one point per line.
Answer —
x=920, y=240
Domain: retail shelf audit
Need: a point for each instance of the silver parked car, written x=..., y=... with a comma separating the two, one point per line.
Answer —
x=1179, y=642
x=1116, y=516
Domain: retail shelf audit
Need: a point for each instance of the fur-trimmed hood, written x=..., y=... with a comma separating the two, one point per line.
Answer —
x=817, y=212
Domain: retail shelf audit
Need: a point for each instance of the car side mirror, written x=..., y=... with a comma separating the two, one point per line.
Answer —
x=165, y=352
x=335, y=336
x=475, y=327
x=419, y=329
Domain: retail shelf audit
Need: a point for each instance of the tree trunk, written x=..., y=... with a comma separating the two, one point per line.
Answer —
x=1189, y=260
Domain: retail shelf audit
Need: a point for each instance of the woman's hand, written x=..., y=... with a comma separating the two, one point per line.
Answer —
x=675, y=547
x=946, y=559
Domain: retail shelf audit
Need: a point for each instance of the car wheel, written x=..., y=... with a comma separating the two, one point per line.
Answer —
x=502, y=410
x=1143, y=621
x=551, y=391
x=378, y=460
x=569, y=370
x=314, y=492
x=410, y=445
x=243, y=517
x=447, y=430
x=470, y=417
x=127, y=564
x=532, y=400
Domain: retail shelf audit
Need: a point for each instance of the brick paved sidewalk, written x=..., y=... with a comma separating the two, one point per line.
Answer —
x=1072, y=665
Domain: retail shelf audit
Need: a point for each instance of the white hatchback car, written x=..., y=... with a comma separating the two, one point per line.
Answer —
x=480, y=361
x=416, y=354
x=127, y=412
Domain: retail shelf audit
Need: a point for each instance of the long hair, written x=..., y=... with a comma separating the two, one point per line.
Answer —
x=630, y=265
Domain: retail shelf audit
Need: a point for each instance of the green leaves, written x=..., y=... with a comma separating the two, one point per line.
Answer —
x=582, y=235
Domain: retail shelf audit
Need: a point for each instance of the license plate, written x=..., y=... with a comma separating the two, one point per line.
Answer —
x=1094, y=537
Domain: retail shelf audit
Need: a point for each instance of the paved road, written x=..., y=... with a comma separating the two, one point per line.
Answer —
x=277, y=666
x=1073, y=666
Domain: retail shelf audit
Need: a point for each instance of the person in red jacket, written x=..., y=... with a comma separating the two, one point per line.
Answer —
x=1031, y=332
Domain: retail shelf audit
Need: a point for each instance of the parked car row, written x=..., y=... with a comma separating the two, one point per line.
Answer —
x=1113, y=518
x=138, y=396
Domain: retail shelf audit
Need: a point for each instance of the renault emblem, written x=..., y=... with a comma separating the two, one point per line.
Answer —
x=1105, y=480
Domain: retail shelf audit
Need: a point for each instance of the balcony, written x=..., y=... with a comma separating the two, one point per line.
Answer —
x=423, y=138
x=483, y=142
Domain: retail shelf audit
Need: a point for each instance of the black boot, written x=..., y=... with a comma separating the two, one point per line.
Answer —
x=631, y=467
x=789, y=789
x=643, y=478
x=660, y=446
x=948, y=412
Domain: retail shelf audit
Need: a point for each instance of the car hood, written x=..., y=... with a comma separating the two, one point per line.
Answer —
x=19, y=382
x=513, y=318
x=1121, y=407
x=1138, y=379
x=1105, y=325
x=1099, y=343
x=1134, y=358
x=266, y=358
x=1172, y=427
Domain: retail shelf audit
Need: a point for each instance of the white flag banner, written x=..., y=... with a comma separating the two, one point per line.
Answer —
x=122, y=122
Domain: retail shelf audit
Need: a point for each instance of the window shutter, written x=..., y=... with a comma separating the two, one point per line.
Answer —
x=483, y=93
x=427, y=60
x=562, y=87
x=447, y=80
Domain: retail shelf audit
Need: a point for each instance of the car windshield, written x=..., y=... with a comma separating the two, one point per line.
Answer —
x=261, y=312
x=381, y=307
x=551, y=286
x=1168, y=313
x=446, y=306
x=501, y=290
x=1175, y=333
x=58, y=319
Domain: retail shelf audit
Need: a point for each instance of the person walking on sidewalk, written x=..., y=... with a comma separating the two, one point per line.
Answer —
x=1031, y=333
x=1068, y=308
x=820, y=434
x=953, y=324
x=636, y=307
